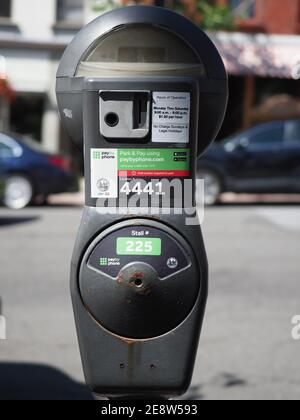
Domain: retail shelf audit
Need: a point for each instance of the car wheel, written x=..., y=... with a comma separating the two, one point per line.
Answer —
x=18, y=192
x=212, y=187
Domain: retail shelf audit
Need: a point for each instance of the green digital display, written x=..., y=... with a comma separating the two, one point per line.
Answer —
x=139, y=246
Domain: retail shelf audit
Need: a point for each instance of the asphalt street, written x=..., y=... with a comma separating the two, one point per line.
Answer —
x=246, y=349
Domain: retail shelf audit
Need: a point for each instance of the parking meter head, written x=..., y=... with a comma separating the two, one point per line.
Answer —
x=134, y=44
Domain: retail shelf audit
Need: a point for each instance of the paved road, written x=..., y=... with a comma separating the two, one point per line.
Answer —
x=246, y=349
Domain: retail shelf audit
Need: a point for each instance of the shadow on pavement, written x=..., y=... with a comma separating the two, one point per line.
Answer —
x=228, y=380
x=221, y=381
x=21, y=381
x=194, y=393
x=17, y=220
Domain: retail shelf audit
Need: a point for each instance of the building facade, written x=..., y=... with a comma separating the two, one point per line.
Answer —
x=33, y=36
x=261, y=51
x=267, y=16
x=262, y=56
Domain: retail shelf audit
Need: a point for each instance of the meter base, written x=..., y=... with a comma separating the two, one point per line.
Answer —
x=118, y=366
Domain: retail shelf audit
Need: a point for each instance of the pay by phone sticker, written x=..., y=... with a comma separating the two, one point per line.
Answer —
x=104, y=173
x=111, y=167
x=171, y=117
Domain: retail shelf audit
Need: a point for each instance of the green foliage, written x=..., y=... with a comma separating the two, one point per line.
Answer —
x=103, y=6
x=215, y=17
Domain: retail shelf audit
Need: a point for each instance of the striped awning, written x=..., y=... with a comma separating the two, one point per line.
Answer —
x=276, y=56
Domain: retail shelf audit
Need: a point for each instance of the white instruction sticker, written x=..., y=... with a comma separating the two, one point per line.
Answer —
x=104, y=173
x=171, y=117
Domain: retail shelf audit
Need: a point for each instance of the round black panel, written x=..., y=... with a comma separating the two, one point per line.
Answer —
x=139, y=280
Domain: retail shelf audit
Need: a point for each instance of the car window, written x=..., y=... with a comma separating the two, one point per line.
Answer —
x=268, y=135
x=9, y=147
x=5, y=150
x=292, y=131
x=231, y=143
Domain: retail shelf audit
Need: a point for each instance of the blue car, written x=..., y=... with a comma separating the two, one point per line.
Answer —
x=264, y=159
x=31, y=173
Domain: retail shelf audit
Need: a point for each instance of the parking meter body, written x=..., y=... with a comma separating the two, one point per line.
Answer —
x=143, y=91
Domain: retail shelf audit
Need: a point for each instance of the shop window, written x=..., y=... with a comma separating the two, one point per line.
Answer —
x=245, y=9
x=26, y=115
x=69, y=10
x=5, y=8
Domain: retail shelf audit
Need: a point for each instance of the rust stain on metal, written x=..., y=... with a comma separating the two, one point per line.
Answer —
x=129, y=341
x=135, y=278
x=133, y=360
x=138, y=275
x=120, y=279
x=144, y=292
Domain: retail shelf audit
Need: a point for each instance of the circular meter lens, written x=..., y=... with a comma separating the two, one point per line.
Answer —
x=148, y=50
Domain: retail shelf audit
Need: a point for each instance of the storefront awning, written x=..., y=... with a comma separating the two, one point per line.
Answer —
x=276, y=56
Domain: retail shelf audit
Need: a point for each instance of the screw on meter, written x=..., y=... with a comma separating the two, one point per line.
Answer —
x=172, y=263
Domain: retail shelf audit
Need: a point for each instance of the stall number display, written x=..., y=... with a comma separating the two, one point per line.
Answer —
x=141, y=246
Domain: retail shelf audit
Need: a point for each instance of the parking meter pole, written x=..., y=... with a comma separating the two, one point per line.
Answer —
x=143, y=91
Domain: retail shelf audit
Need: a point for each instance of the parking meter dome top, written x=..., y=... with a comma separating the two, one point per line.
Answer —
x=182, y=33
x=143, y=42
x=141, y=50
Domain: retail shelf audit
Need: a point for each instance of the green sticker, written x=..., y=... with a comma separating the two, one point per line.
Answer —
x=154, y=159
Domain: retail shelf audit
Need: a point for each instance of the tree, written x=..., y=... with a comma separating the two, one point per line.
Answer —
x=214, y=16
x=207, y=13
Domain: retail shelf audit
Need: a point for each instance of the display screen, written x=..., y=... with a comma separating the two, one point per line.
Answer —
x=139, y=246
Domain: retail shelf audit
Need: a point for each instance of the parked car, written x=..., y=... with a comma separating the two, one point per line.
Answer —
x=31, y=172
x=264, y=159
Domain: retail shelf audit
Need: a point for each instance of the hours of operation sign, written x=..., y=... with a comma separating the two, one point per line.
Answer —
x=171, y=117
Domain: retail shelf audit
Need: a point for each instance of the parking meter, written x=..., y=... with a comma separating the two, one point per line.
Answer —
x=143, y=91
